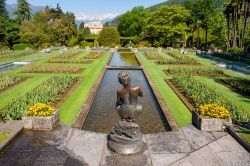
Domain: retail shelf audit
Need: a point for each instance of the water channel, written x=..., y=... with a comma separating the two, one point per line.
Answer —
x=103, y=115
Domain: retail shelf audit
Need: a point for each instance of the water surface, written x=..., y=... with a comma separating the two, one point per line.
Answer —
x=123, y=59
x=103, y=115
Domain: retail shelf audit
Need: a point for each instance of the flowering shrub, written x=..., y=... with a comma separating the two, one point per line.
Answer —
x=213, y=111
x=40, y=109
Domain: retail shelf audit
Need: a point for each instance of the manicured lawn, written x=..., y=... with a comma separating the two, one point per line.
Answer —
x=179, y=111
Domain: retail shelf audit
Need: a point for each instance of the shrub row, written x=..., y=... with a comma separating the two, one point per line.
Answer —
x=16, y=54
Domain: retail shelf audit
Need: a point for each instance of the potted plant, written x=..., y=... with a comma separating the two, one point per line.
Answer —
x=41, y=117
x=211, y=117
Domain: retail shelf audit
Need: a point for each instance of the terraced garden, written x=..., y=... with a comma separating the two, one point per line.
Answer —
x=63, y=80
x=187, y=81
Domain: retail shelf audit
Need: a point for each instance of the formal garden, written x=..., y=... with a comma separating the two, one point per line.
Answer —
x=162, y=85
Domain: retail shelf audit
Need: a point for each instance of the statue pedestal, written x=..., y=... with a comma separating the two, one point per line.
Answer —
x=126, y=138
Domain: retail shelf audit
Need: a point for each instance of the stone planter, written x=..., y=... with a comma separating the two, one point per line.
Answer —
x=210, y=124
x=41, y=123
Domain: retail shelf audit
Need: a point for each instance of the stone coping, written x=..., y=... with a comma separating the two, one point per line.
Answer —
x=13, y=126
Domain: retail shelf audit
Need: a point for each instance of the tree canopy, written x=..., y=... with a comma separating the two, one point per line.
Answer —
x=109, y=37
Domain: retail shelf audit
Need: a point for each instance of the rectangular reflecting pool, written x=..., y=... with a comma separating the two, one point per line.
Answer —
x=103, y=116
x=123, y=59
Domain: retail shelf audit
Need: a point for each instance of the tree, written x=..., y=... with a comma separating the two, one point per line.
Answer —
x=23, y=11
x=109, y=37
x=81, y=27
x=3, y=10
x=167, y=25
x=9, y=32
x=237, y=14
x=132, y=22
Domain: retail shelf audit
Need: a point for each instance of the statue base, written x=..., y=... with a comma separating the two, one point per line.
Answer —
x=126, y=149
x=126, y=138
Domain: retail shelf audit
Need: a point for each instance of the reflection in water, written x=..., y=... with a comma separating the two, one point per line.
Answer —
x=124, y=59
x=103, y=115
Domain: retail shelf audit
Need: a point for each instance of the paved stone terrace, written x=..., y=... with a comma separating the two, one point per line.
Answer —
x=68, y=146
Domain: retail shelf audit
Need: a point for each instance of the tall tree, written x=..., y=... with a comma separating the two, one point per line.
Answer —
x=3, y=10
x=132, y=22
x=81, y=27
x=109, y=37
x=166, y=25
x=23, y=11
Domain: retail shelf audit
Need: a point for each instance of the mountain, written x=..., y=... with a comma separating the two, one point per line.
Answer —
x=218, y=3
x=12, y=7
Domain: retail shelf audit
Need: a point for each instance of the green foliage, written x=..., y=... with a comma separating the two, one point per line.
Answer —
x=84, y=44
x=22, y=46
x=3, y=10
x=9, y=32
x=17, y=54
x=83, y=33
x=45, y=93
x=73, y=42
x=109, y=37
x=23, y=11
x=52, y=26
x=235, y=50
x=166, y=25
x=132, y=22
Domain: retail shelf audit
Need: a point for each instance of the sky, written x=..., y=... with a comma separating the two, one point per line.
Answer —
x=85, y=9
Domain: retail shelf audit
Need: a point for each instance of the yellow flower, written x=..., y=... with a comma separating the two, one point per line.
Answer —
x=40, y=109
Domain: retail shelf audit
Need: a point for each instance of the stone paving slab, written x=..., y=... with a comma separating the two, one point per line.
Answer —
x=169, y=142
x=217, y=154
x=27, y=150
x=166, y=159
x=197, y=138
x=86, y=146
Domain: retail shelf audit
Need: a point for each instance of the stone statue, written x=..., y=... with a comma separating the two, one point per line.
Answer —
x=126, y=137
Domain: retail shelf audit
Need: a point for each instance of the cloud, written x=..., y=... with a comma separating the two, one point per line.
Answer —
x=85, y=17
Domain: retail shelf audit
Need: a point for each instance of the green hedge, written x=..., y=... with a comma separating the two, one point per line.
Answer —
x=23, y=46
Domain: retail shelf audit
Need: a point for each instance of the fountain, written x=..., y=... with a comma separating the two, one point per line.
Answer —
x=126, y=137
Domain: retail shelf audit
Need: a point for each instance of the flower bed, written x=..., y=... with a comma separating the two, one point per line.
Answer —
x=153, y=55
x=41, y=117
x=35, y=68
x=200, y=93
x=94, y=55
x=69, y=57
x=184, y=61
x=206, y=70
x=16, y=54
x=240, y=84
x=47, y=92
x=7, y=81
